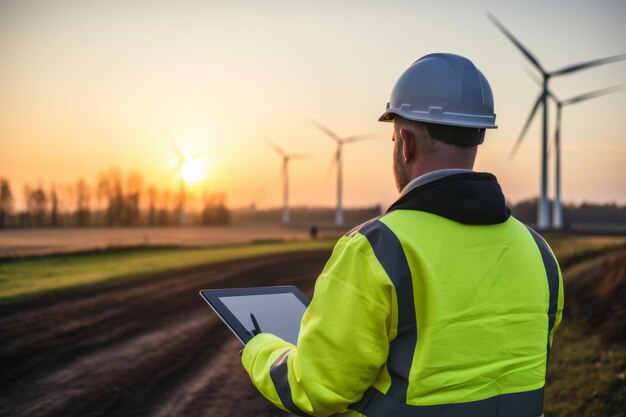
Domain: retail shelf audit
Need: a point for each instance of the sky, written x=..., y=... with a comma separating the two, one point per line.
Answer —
x=88, y=85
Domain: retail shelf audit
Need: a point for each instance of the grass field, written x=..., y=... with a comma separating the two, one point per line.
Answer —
x=587, y=372
x=35, y=275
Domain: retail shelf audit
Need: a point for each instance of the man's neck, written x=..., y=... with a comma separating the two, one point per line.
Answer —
x=418, y=170
x=432, y=176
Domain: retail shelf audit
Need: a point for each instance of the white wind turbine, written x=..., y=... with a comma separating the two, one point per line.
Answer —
x=285, y=173
x=557, y=213
x=557, y=209
x=543, y=212
x=178, y=168
x=338, y=161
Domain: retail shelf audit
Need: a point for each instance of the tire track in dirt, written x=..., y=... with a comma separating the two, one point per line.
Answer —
x=138, y=347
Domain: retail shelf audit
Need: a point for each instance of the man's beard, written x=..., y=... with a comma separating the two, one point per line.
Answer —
x=400, y=170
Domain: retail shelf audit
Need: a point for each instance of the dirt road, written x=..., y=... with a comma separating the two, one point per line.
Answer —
x=143, y=347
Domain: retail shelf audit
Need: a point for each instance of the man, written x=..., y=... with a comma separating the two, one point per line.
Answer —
x=444, y=306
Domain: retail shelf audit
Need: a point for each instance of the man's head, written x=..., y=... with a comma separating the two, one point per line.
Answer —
x=440, y=106
x=417, y=153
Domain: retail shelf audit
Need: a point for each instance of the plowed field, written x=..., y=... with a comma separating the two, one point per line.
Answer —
x=139, y=347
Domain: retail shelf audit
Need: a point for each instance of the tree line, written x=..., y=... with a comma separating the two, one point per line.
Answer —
x=113, y=200
x=589, y=213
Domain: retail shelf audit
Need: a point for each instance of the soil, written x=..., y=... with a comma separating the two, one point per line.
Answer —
x=148, y=346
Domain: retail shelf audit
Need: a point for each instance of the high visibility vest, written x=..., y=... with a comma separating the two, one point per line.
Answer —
x=445, y=306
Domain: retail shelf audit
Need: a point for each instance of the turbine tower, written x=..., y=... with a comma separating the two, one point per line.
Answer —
x=338, y=161
x=543, y=212
x=178, y=168
x=286, y=158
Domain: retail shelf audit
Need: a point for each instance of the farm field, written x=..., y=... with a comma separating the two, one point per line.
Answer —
x=137, y=347
x=151, y=347
x=30, y=276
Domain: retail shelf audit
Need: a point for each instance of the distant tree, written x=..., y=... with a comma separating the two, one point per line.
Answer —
x=152, y=213
x=526, y=211
x=132, y=199
x=110, y=188
x=6, y=202
x=36, y=204
x=83, y=194
x=54, y=208
x=163, y=217
x=215, y=211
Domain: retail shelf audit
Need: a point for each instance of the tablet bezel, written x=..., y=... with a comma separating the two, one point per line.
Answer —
x=212, y=297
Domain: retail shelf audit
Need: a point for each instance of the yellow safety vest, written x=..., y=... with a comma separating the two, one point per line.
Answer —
x=444, y=307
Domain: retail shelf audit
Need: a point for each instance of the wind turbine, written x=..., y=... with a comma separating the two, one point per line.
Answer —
x=182, y=160
x=543, y=212
x=339, y=217
x=557, y=211
x=286, y=158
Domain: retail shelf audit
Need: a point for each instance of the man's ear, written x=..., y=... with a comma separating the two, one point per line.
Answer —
x=408, y=145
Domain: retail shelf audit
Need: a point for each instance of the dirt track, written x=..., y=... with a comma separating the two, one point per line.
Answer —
x=143, y=347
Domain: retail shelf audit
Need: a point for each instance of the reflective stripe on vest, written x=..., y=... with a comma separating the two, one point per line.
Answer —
x=552, y=271
x=390, y=254
x=280, y=377
x=519, y=404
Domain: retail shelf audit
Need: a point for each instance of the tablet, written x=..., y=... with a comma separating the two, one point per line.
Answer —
x=248, y=311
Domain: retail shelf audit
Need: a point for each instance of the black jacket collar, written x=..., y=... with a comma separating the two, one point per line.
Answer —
x=469, y=198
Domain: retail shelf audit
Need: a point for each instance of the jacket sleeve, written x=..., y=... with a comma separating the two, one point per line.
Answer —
x=343, y=340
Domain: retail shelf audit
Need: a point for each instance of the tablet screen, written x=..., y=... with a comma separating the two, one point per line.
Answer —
x=246, y=311
x=279, y=314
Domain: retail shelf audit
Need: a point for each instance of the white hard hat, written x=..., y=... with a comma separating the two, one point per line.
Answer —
x=443, y=89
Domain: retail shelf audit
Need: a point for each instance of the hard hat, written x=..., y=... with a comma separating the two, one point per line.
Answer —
x=443, y=89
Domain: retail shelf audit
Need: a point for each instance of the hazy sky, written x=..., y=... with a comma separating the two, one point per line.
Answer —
x=86, y=85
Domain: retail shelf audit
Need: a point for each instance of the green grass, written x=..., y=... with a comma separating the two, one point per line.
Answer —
x=566, y=245
x=36, y=275
x=586, y=375
x=612, y=227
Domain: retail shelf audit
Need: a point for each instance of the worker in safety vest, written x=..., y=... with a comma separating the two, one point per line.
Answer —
x=446, y=305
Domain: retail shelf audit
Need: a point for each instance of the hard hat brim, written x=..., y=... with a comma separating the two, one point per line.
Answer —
x=390, y=115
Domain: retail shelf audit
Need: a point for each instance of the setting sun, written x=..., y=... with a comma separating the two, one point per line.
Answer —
x=193, y=171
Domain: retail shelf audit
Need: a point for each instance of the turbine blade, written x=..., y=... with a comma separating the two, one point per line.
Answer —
x=326, y=130
x=277, y=148
x=526, y=125
x=298, y=156
x=593, y=94
x=357, y=138
x=589, y=64
x=534, y=77
x=175, y=146
x=517, y=43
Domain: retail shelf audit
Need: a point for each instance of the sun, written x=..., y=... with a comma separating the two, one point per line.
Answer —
x=193, y=171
